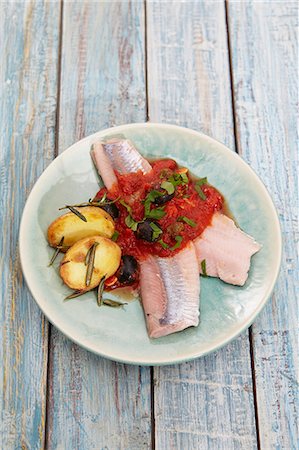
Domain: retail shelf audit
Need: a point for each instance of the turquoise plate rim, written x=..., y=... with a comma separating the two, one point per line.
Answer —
x=119, y=129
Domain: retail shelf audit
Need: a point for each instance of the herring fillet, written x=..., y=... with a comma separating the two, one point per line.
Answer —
x=226, y=250
x=103, y=165
x=124, y=157
x=170, y=292
x=169, y=286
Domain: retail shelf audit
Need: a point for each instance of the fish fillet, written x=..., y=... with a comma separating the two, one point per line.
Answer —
x=170, y=292
x=124, y=157
x=226, y=249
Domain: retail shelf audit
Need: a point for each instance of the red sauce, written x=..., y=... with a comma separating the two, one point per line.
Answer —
x=133, y=188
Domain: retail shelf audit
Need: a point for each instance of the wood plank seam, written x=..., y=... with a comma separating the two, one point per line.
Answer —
x=49, y=377
x=250, y=337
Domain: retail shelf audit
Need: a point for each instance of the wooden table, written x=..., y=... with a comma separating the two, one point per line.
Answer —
x=69, y=69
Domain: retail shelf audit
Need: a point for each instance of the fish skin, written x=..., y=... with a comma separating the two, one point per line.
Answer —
x=103, y=165
x=226, y=249
x=170, y=289
x=124, y=157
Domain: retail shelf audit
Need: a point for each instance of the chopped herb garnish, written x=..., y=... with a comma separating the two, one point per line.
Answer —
x=178, y=240
x=198, y=189
x=156, y=213
x=156, y=231
x=202, y=181
x=188, y=221
x=128, y=207
x=100, y=291
x=150, y=198
x=204, y=268
x=90, y=265
x=169, y=187
x=75, y=211
x=113, y=303
x=184, y=178
x=163, y=244
x=178, y=179
x=57, y=250
x=115, y=236
x=131, y=223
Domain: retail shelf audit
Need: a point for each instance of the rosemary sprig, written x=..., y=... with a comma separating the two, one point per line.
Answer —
x=75, y=294
x=57, y=250
x=75, y=211
x=90, y=202
x=113, y=303
x=87, y=257
x=204, y=268
x=90, y=266
x=100, y=291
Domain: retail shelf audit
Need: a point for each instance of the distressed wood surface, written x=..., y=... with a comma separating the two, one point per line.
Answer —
x=95, y=403
x=29, y=34
x=264, y=42
x=208, y=403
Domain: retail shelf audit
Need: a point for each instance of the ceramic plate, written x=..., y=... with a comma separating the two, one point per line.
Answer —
x=120, y=334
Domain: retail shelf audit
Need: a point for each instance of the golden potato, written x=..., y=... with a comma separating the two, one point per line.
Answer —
x=99, y=223
x=106, y=262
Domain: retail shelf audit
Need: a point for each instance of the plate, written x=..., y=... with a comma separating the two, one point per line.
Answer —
x=120, y=334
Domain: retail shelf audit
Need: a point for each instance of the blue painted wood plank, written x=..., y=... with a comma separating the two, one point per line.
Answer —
x=29, y=35
x=96, y=403
x=264, y=43
x=208, y=403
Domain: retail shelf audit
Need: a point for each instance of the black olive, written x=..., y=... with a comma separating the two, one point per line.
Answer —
x=145, y=231
x=128, y=271
x=111, y=209
x=163, y=199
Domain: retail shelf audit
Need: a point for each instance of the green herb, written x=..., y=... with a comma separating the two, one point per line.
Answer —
x=169, y=187
x=100, y=291
x=203, y=268
x=188, y=221
x=75, y=294
x=90, y=266
x=57, y=250
x=156, y=231
x=184, y=178
x=128, y=207
x=75, y=211
x=178, y=240
x=156, y=213
x=102, y=200
x=115, y=236
x=131, y=223
x=178, y=179
x=198, y=189
x=163, y=244
x=201, y=181
x=150, y=198
x=113, y=303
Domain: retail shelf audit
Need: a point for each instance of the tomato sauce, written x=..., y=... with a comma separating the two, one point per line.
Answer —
x=185, y=206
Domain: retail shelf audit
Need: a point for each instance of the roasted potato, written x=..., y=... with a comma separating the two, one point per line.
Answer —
x=72, y=228
x=73, y=267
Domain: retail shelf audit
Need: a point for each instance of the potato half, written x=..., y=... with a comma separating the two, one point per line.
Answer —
x=99, y=223
x=106, y=262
